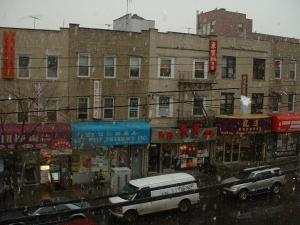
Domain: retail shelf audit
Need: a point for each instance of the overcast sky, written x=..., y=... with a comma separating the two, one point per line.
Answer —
x=277, y=17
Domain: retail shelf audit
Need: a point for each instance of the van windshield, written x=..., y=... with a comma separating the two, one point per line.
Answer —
x=127, y=191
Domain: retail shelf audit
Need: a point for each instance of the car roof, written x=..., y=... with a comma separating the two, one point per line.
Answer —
x=162, y=180
x=257, y=168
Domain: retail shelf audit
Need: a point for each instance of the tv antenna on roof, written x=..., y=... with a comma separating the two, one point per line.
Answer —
x=34, y=20
x=128, y=1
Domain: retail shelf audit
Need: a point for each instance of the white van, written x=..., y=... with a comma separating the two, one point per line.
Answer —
x=143, y=188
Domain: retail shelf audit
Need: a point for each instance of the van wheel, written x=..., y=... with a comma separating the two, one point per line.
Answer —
x=184, y=205
x=243, y=194
x=276, y=188
x=131, y=216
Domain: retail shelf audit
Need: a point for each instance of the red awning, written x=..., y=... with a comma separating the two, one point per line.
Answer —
x=286, y=123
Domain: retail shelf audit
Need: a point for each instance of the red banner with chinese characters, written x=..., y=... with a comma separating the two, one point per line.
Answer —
x=213, y=44
x=8, y=56
x=244, y=85
x=286, y=123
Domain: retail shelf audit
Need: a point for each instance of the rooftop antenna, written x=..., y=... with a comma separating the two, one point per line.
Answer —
x=34, y=20
x=128, y=1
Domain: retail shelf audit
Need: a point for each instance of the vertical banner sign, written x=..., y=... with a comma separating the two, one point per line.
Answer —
x=244, y=85
x=37, y=96
x=97, y=99
x=8, y=56
x=213, y=45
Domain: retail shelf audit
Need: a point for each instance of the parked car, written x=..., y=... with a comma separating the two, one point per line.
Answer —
x=155, y=187
x=252, y=181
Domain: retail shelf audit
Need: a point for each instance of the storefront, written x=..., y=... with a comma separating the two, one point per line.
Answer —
x=179, y=149
x=243, y=138
x=23, y=145
x=99, y=146
x=286, y=135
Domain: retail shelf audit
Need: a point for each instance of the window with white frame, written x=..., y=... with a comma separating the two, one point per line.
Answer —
x=164, y=107
x=108, y=108
x=200, y=68
x=23, y=66
x=166, y=67
x=293, y=66
x=52, y=66
x=51, y=109
x=133, y=107
x=291, y=102
x=135, y=67
x=277, y=69
x=275, y=103
x=110, y=66
x=23, y=114
x=82, y=108
x=198, y=106
x=83, y=65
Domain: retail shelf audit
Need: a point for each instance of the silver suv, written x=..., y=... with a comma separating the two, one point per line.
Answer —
x=252, y=181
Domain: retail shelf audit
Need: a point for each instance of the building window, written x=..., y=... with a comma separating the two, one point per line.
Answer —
x=257, y=103
x=135, y=67
x=164, y=106
x=227, y=103
x=228, y=67
x=83, y=65
x=51, y=106
x=275, y=104
x=291, y=101
x=259, y=69
x=108, y=108
x=200, y=69
x=23, y=66
x=109, y=67
x=241, y=28
x=166, y=67
x=277, y=69
x=52, y=67
x=23, y=115
x=198, y=106
x=133, y=110
x=83, y=108
x=293, y=66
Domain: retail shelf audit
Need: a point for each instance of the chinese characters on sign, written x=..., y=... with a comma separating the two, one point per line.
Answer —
x=213, y=55
x=244, y=85
x=8, y=55
x=97, y=99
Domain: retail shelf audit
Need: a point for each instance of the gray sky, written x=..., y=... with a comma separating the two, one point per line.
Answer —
x=277, y=17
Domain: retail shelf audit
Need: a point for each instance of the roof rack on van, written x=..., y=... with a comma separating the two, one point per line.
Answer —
x=258, y=168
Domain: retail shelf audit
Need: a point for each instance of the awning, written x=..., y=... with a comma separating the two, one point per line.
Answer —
x=110, y=133
x=286, y=123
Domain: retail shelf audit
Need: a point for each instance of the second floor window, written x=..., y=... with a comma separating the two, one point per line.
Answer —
x=227, y=103
x=23, y=115
x=200, y=69
x=51, y=113
x=84, y=65
x=291, y=101
x=166, y=67
x=133, y=110
x=109, y=67
x=108, y=108
x=257, y=103
x=23, y=66
x=52, y=67
x=164, y=106
x=293, y=66
x=135, y=67
x=275, y=104
x=228, y=67
x=277, y=69
x=82, y=108
x=259, y=69
x=198, y=106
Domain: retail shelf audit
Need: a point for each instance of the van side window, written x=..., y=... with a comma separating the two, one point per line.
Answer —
x=143, y=193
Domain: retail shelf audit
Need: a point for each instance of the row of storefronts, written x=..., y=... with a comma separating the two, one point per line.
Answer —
x=75, y=153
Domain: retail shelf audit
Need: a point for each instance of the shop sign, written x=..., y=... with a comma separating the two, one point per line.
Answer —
x=33, y=136
x=244, y=85
x=286, y=123
x=244, y=125
x=97, y=99
x=213, y=55
x=8, y=54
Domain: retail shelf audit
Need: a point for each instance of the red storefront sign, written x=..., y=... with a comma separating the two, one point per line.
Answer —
x=244, y=85
x=8, y=56
x=213, y=44
x=286, y=123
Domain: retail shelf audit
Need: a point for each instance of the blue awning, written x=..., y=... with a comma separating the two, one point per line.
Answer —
x=110, y=133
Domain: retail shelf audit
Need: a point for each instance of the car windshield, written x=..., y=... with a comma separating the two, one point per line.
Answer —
x=243, y=175
x=128, y=191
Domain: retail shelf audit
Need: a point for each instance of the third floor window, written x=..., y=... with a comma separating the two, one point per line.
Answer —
x=200, y=69
x=83, y=65
x=277, y=69
x=110, y=67
x=23, y=66
x=135, y=67
x=166, y=67
x=259, y=69
x=293, y=69
x=228, y=67
x=52, y=67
